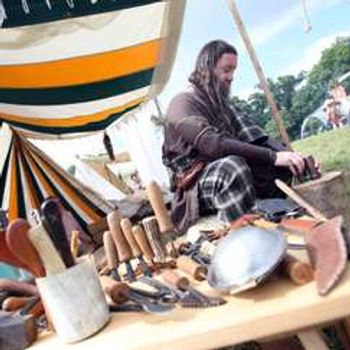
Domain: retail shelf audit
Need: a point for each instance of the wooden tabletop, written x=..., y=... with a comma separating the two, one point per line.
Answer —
x=269, y=310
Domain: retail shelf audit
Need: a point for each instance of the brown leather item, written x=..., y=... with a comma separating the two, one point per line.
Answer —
x=189, y=177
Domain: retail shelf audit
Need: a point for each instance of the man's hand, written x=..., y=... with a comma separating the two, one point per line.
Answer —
x=292, y=160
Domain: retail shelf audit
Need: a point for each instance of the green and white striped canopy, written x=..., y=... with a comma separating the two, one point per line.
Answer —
x=75, y=66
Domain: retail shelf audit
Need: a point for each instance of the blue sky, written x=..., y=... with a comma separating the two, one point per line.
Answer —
x=276, y=29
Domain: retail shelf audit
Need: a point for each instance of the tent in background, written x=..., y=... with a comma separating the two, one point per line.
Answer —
x=68, y=69
x=28, y=176
x=76, y=69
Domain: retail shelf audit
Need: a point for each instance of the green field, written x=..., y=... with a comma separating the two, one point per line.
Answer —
x=331, y=149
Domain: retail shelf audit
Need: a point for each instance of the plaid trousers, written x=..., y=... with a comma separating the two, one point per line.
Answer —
x=226, y=187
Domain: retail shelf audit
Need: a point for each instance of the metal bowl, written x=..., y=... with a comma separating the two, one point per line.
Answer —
x=245, y=257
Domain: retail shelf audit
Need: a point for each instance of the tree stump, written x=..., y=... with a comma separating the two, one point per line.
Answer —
x=328, y=195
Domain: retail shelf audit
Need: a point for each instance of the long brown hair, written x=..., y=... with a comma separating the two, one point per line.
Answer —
x=204, y=80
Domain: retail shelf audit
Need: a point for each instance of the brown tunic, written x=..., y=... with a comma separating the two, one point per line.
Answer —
x=193, y=135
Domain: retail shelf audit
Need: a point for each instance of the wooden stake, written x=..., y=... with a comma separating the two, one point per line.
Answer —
x=263, y=82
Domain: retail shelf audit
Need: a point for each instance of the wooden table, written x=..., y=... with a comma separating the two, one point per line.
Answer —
x=273, y=309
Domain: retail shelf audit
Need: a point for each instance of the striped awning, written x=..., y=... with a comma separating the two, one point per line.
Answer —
x=28, y=176
x=75, y=66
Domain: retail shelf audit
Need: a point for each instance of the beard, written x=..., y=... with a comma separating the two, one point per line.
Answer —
x=224, y=90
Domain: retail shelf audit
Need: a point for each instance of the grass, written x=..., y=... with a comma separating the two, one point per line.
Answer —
x=331, y=149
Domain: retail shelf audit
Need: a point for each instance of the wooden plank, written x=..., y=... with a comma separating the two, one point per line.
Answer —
x=272, y=309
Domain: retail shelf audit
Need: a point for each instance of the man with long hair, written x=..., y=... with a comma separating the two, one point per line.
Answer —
x=220, y=161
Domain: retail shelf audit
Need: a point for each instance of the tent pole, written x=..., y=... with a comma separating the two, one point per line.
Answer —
x=263, y=82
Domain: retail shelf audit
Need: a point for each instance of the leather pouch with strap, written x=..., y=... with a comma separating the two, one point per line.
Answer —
x=190, y=176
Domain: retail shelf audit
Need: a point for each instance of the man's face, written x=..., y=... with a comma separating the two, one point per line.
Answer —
x=224, y=71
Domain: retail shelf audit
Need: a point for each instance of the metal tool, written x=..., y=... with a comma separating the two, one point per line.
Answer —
x=182, y=283
x=165, y=293
x=119, y=292
x=126, y=227
x=123, y=249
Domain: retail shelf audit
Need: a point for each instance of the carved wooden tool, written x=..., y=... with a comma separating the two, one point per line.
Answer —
x=167, y=228
x=111, y=255
x=142, y=241
x=123, y=249
x=51, y=218
x=186, y=264
x=7, y=256
x=18, y=241
x=126, y=227
x=121, y=292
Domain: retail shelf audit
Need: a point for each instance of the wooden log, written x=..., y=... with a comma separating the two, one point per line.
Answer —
x=328, y=195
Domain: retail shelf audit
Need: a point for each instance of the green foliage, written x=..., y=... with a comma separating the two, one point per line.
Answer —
x=294, y=102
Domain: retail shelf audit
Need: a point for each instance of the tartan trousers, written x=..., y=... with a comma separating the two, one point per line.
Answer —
x=226, y=188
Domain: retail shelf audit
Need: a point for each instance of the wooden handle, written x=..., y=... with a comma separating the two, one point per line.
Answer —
x=155, y=197
x=173, y=278
x=117, y=291
x=15, y=303
x=315, y=213
x=298, y=271
x=18, y=287
x=18, y=241
x=126, y=226
x=123, y=248
x=111, y=250
x=186, y=264
x=141, y=239
x=52, y=261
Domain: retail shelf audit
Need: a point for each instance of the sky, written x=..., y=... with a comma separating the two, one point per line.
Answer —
x=277, y=31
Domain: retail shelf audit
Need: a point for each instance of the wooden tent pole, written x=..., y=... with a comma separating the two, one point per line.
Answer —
x=263, y=82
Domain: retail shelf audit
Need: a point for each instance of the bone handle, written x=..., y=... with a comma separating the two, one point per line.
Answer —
x=126, y=226
x=51, y=259
x=111, y=250
x=123, y=248
x=155, y=197
x=141, y=239
x=186, y=264
x=173, y=278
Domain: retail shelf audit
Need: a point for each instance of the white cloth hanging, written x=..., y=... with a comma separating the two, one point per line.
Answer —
x=143, y=141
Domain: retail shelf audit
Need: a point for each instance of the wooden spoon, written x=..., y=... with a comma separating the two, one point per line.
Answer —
x=20, y=245
x=7, y=256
